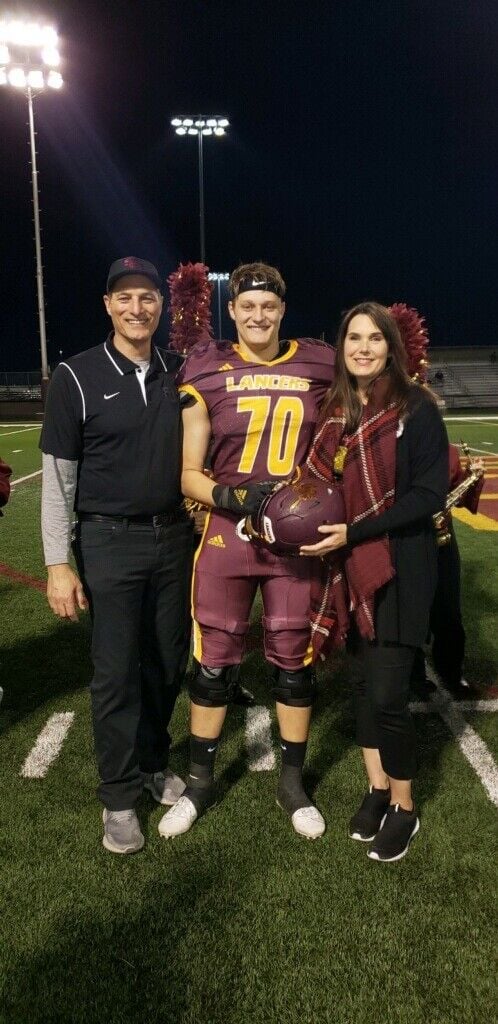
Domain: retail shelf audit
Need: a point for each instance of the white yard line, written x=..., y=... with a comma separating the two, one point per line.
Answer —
x=9, y=433
x=260, y=753
x=21, y=479
x=48, y=745
x=472, y=746
x=470, y=419
x=482, y=451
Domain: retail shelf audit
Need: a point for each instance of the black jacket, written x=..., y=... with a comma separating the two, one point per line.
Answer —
x=402, y=606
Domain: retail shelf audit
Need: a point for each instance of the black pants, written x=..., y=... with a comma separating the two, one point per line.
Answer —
x=137, y=580
x=383, y=719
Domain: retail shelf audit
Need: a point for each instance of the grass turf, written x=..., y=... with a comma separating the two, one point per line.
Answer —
x=240, y=920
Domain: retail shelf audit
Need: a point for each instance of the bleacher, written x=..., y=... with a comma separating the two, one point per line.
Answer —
x=20, y=392
x=466, y=385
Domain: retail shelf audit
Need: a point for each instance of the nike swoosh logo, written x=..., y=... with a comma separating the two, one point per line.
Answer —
x=210, y=750
x=113, y=395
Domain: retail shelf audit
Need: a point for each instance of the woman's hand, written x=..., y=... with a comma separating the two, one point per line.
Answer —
x=336, y=538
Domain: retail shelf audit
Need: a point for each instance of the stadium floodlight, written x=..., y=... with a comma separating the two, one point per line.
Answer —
x=218, y=278
x=27, y=50
x=55, y=80
x=201, y=125
x=51, y=56
x=35, y=78
x=17, y=78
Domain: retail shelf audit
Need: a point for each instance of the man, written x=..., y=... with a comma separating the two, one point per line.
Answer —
x=254, y=405
x=111, y=444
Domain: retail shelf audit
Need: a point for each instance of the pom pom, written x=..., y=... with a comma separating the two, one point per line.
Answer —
x=414, y=336
x=190, y=306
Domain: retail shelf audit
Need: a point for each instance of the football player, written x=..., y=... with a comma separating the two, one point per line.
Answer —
x=254, y=404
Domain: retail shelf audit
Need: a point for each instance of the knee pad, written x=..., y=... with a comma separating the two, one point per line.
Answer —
x=213, y=687
x=296, y=689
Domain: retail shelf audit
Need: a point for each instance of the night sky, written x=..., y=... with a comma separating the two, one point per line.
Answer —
x=361, y=160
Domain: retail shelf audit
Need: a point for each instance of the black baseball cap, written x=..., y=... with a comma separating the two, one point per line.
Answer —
x=132, y=265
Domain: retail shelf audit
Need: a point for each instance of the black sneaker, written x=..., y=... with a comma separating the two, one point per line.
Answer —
x=365, y=824
x=395, y=834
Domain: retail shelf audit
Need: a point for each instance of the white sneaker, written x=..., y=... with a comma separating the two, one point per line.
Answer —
x=166, y=787
x=308, y=822
x=179, y=819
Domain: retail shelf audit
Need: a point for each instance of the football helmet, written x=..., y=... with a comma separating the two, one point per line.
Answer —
x=290, y=517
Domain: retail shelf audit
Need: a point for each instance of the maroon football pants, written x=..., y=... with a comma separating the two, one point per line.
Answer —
x=227, y=573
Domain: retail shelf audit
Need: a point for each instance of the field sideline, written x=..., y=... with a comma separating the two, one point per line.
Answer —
x=240, y=920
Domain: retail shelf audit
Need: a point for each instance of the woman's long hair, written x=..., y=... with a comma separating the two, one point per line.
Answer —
x=344, y=392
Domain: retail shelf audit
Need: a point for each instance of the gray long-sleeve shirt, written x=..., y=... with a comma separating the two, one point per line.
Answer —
x=58, y=491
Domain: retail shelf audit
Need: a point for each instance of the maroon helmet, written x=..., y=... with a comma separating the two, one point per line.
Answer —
x=291, y=516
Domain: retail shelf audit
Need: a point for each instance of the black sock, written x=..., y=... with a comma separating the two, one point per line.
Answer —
x=202, y=758
x=290, y=793
x=293, y=754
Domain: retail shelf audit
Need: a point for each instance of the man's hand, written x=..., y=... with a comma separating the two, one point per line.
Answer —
x=243, y=500
x=336, y=538
x=65, y=592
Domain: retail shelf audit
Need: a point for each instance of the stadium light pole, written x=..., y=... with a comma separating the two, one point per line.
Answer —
x=28, y=58
x=202, y=126
x=219, y=278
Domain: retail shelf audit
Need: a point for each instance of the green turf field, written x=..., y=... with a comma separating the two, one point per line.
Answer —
x=239, y=921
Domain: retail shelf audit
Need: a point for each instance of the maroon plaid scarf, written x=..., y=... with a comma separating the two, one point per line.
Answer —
x=347, y=581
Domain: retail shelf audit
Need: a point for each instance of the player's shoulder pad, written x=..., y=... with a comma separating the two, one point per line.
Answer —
x=211, y=347
x=204, y=357
x=315, y=343
x=319, y=348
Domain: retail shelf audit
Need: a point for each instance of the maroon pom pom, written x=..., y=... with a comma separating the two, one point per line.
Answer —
x=190, y=306
x=414, y=337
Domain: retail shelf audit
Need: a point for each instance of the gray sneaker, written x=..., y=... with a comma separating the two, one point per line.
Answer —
x=166, y=787
x=122, y=832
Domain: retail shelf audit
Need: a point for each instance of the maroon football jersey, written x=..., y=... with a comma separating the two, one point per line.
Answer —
x=262, y=414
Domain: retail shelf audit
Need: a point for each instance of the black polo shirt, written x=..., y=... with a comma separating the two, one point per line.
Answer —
x=124, y=434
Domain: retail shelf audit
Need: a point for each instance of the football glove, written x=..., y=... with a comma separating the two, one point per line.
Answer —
x=243, y=500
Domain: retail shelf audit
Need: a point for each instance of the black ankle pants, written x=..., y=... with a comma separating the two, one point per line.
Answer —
x=383, y=719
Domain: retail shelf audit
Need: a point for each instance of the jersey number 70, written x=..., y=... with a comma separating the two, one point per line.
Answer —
x=284, y=428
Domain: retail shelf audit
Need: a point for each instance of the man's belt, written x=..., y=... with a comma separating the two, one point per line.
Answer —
x=162, y=519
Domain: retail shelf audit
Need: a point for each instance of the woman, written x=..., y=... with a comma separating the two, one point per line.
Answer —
x=383, y=435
